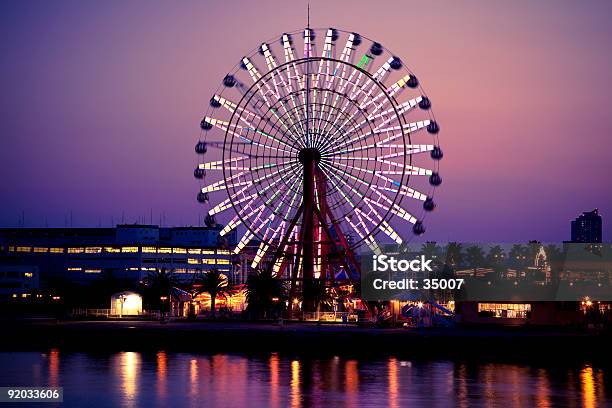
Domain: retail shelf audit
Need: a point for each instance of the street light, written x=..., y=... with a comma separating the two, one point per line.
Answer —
x=122, y=299
x=163, y=300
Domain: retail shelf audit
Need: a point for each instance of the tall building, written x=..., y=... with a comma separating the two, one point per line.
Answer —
x=587, y=227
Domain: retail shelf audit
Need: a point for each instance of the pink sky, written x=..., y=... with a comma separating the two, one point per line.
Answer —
x=102, y=101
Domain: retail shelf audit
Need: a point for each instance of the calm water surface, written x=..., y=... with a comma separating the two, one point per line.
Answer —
x=134, y=379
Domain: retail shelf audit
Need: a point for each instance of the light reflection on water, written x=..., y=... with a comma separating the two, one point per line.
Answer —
x=174, y=379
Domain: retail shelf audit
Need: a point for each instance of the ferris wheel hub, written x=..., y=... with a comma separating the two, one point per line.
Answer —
x=309, y=154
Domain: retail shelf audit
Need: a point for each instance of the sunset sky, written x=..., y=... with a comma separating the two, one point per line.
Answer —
x=101, y=104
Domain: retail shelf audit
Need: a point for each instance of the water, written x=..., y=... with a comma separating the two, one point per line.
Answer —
x=134, y=379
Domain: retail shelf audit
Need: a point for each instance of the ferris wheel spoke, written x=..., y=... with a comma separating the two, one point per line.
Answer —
x=324, y=62
x=263, y=247
x=271, y=63
x=284, y=82
x=225, y=183
x=244, y=115
x=220, y=164
x=405, y=129
x=256, y=76
x=266, y=94
x=388, y=204
x=245, y=151
x=401, y=109
x=381, y=223
x=389, y=114
x=227, y=203
x=386, y=96
x=384, y=203
x=377, y=221
x=398, y=150
x=234, y=199
x=363, y=232
x=290, y=58
x=227, y=127
x=378, y=76
x=403, y=168
x=248, y=235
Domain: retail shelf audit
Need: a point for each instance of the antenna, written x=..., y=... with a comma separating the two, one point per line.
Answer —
x=308, y=78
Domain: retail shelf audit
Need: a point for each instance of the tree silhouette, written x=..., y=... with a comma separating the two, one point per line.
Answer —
x=214, y=283
x=265, y=294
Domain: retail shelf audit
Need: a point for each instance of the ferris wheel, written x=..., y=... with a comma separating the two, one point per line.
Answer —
x=317, y=143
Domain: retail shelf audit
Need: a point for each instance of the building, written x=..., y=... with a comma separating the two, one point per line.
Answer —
x=587, y=227
x=129, y=252
x=18, y=280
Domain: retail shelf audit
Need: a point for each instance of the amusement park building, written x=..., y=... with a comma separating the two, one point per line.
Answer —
x=131, y=252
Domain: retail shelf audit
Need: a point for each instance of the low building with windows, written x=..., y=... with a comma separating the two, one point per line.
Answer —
x=130, y=252
x=18, y=280
x=533, y=313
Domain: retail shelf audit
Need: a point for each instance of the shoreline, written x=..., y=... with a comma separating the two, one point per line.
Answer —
x=307, y=339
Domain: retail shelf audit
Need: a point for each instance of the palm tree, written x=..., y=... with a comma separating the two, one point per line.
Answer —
x=321, y=294
x=214, y=283
x=474, y=256
x=454, y=256
x=431, y=250
x=495, y=256
x=517, y=256
x=264, y=293
x=555, y=258
x=161, y=284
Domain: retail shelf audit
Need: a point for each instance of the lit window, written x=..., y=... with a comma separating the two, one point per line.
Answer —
x=505, y=310
x=75, y=269
x=24, y=249
x=93, y=250
x=179, y=250
x=164, y=250
x=208, y=261
x=129, y=249
x=208, y=252
x=28, y=274
x=93, y=270
x=41, y=250
x=223, y=261
x=223, y=252
x=149, y=250
x=194, y=251
x=56, y=250
x=75, y=250
x=192, y=261
x=112, y=250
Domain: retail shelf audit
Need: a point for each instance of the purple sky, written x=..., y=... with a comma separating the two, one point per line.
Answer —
x=101, y=102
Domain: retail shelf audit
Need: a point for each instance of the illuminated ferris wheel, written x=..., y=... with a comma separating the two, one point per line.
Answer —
x=319, y=142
